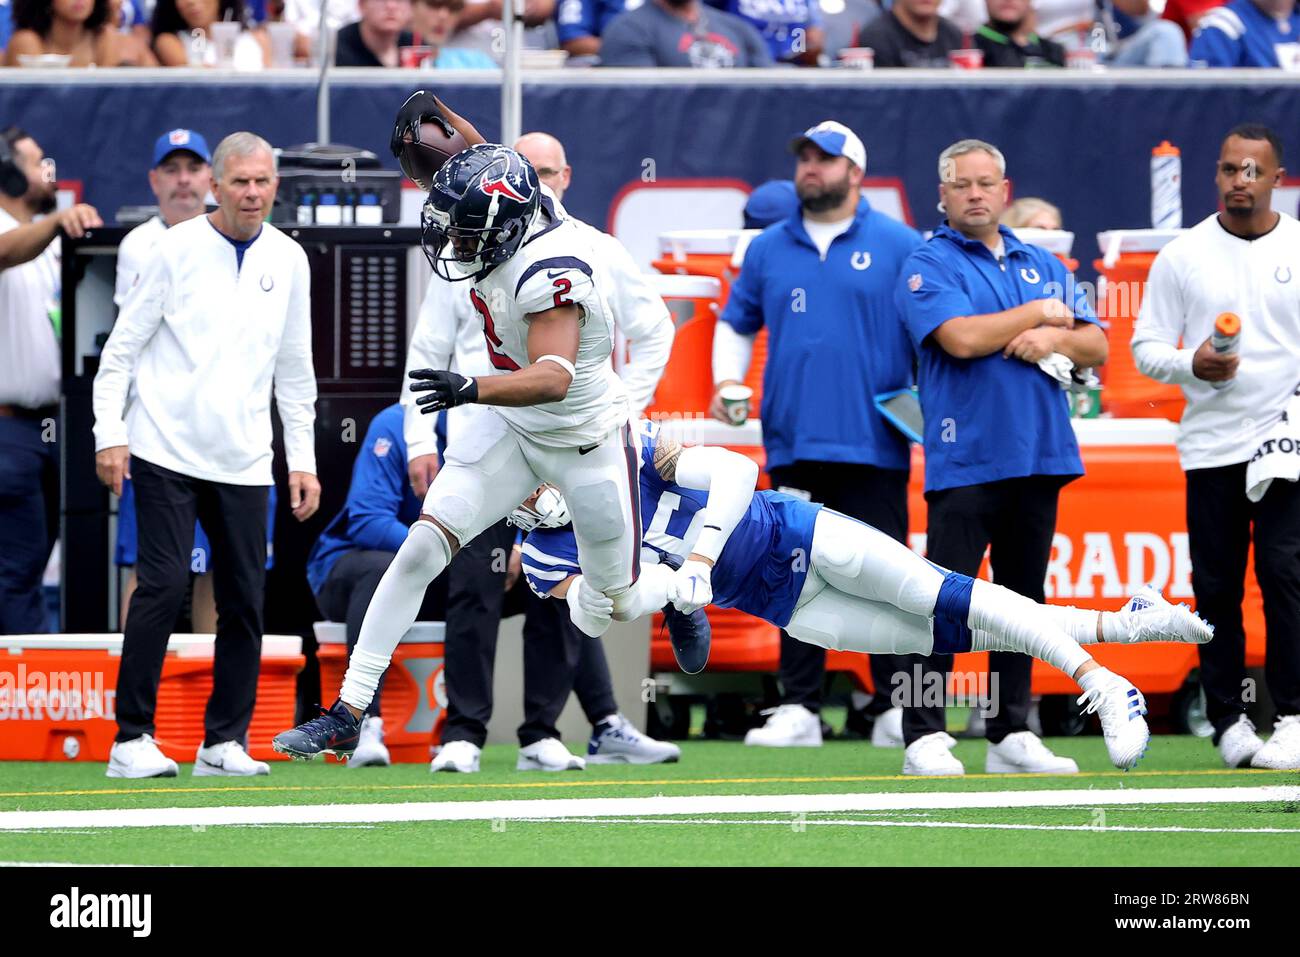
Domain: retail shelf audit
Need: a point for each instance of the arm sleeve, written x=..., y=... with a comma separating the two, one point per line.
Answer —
x=575, y=19
x=549, y=556
x=647, y=356
x=744, y=309
x=295, y=376
x=624, y=44
x=1213, y=47
x=432, y=345
x=1160, y=325
x=730, y=479
x=376, y=495
x=929, y=295
x=136, y=324
x=732, y=353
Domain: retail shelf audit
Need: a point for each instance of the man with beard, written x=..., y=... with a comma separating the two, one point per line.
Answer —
x=822, y=282
x=29, y=373
x=1008, y=38
x=1244, y=260
x=683, y=33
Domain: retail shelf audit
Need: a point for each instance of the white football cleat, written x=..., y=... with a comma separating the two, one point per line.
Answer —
x=227, y=760
x=139, y=758
x=1121, y=707
x=457, y=756
x=1239, y=744
x=548, y=754
x=1022, y=752
x=787, y=726
x=371, y=751
x=932, y=755
x=1148, y=617
x=1282, y=752
x=617, y=741
x=887, y=732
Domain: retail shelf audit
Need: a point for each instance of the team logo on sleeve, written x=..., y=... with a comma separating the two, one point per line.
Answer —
x=914, y=282
x=382, y=447
x=1031, y=276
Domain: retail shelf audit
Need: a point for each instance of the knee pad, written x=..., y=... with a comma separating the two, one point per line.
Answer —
x=599, y=508
x=426, y=549
x=952, y=614
x=839, y=555
x=454, y=512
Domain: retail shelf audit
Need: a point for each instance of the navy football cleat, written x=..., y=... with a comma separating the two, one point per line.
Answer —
x=691, y=635
x=334, y=732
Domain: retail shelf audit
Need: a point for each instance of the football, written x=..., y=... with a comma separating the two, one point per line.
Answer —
x=423, y=158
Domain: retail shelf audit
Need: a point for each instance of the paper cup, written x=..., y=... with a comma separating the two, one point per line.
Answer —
x=282, y=36
x=224, y=35
x=735, y=401
x=966, y=59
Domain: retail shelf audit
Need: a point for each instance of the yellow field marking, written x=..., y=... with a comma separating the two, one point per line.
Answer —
x=634, y=782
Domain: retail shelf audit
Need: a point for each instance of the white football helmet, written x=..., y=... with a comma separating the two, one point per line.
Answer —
x=545, y=508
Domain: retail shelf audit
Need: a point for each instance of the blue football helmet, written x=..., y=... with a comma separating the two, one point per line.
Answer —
x=479, y=208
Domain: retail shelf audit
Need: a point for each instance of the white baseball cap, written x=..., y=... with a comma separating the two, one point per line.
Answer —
x=835, y=139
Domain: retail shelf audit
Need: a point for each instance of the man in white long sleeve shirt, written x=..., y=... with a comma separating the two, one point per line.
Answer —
x=219, y=319
x=1244, y=260
x=449, y=335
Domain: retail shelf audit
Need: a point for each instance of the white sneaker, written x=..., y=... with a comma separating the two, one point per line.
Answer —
x=1148, y=617
x=788, y=726
x=1239, y=743
x=1120, y=706
x=1023, y=753
x=227, y=759
x=887, y=732
x=371, y=751
x=1282, y=753
x=548, y=754
x=139, y=758
x=617, y=741
x=459, y=756
x=932, y=754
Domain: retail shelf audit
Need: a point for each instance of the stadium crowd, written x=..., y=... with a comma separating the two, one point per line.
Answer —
x=467, y=34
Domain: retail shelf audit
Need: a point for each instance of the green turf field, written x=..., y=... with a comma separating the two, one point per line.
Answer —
x=671, y=830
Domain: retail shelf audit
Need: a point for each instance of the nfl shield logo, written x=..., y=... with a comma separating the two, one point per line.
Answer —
x=382, y=446
x=178, y=137
x=914, y=281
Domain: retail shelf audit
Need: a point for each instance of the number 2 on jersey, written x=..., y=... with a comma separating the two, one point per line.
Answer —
x=499, y=359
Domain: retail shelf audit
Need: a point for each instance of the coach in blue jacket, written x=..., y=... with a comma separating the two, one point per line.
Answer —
x=822, y=282
x=983, y=309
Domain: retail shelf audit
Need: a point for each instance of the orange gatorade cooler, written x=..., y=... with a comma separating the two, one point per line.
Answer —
x=1127, y=255
x=413, y=696
x=58, y=695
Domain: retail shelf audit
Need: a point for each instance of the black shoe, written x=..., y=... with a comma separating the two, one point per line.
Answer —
x=691, y=636
x=858, y=724
x=334, y=732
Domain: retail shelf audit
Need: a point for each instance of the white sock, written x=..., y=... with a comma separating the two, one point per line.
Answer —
x=1095, y=679
x=392, y=611
x=1001, y=620
x=1081, y=623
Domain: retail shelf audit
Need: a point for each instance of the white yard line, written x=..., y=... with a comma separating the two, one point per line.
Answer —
x=634, y=807
x=797, y=822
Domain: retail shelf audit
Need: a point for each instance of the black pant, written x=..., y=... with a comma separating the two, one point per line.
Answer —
x=346, y=593
x=234, y=516
x=1219, y=526
x=553, y=648
x=872, y=495
x=29, y=518
x=1015, y=519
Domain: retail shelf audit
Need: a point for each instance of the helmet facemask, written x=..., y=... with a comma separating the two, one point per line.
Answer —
x=545, y=508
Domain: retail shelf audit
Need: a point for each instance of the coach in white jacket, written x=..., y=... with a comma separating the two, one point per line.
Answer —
x=1244, y=260
x=219, y=318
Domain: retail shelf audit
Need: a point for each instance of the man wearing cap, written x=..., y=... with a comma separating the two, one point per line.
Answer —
x=983, y=309
x=822, y=282
x=30, y=375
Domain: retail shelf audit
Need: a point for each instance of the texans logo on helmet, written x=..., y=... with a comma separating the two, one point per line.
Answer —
x=500, y=185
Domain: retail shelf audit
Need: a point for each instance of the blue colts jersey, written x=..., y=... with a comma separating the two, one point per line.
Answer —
x=761, y=569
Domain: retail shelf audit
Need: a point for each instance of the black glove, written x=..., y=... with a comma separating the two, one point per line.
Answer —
x=420, y=106
x=446, y=389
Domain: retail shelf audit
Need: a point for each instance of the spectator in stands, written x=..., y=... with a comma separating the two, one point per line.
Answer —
x=1258, y=33
x=912, y=34
x=82, y=30
x=133, y=23
x=792, y=28
x=1123, y=32
x=305, y=15
x=180, y=31
x=1008, y=38
x=1030, y=212
x=979, y=307
x=682, y=33
x=1188, y=13
x=822, y=283
x=30, y=376
x=376, y=38
x=480, y=27
x=580, y=23
x=432, y=23
x=844, y=21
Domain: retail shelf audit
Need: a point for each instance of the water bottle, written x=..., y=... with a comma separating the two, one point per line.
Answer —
x=1226, y=340
x=1166, y=187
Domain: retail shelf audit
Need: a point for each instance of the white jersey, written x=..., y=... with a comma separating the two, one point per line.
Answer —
x=558, y=264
